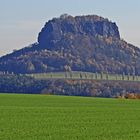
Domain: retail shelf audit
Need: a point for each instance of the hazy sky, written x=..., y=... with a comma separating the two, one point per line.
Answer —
x=22, y=20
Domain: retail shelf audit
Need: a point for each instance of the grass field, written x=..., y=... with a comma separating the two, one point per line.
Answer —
x=42, y=117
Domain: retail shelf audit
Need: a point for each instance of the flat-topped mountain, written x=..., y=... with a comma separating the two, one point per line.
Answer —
x=71, y=28
x=82, y=43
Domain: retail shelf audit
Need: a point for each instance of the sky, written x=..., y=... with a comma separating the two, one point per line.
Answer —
x=22, y=20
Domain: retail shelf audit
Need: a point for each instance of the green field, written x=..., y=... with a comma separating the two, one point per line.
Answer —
x=42, y=117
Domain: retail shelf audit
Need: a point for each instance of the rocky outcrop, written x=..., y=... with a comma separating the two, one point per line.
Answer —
x=82, y=43
x=55, y=30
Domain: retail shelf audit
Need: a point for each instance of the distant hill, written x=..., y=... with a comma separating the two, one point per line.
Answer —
x=82, y=43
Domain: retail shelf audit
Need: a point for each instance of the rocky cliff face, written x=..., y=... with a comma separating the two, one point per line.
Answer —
x=81, y=26
x=82, y=43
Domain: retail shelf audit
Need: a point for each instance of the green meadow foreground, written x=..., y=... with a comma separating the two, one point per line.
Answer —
x=41, y=117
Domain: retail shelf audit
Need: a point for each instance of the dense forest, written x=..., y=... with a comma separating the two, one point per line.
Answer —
x=26, y=84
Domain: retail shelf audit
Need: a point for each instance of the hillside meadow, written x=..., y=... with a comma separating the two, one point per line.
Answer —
x=46, y=117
